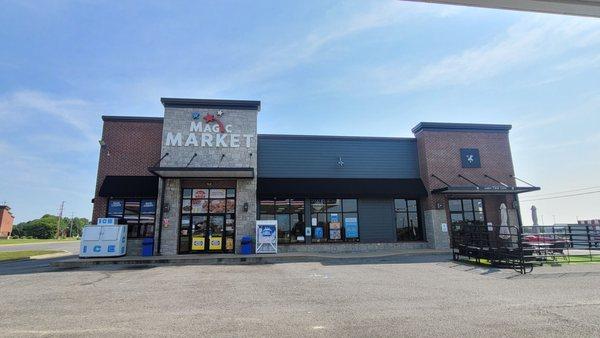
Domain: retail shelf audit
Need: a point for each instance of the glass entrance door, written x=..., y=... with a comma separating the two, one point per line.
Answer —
x=207, y=221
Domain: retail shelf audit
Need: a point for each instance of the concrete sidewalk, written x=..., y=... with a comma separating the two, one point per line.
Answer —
x=232, y=259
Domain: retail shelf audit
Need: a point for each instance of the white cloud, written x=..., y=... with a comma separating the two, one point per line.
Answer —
x=257, y=66
x=532, y=39
x=25, y=106
x=585, y=62
x=46, y=149
x=279, y=58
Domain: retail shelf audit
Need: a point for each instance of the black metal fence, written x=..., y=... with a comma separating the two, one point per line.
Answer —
x=523, y=248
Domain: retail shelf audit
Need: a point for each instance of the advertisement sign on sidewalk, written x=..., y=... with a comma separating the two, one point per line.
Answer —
x=266, y=236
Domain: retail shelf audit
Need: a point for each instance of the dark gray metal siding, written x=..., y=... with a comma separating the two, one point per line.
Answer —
x=376, y=220
x=287, y=156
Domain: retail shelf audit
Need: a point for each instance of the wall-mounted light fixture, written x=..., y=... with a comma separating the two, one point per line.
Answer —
x=103, y=146
x=166, y=207
x=245, y=206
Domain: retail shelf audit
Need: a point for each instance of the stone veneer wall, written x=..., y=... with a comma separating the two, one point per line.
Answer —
x=242, y=122
x=169, y=232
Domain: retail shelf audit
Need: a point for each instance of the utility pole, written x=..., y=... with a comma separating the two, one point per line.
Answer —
x=60, y=212
x=71, y=226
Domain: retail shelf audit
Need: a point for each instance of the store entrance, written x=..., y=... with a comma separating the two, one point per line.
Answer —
x=207, y=220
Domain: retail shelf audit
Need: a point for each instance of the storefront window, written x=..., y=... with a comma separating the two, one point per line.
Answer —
x=466, y=211
x=139, y=214
x=207, y=220
x=334, y=220
x=289, y=214
x=408, y=227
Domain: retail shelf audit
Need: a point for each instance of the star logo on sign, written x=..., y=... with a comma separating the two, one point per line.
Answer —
x=209, y=118
x=470, y=158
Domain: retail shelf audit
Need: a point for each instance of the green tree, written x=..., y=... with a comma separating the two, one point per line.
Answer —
x=46, y=226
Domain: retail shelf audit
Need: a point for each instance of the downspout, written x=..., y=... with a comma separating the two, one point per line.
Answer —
x=160, y=218
x=162, y=202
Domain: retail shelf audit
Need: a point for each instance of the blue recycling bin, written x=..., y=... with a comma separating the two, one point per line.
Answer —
x=148, y=246
x=246, y=248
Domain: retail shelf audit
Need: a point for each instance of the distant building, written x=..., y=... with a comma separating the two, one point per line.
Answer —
x=6, y=221
x=589, y=221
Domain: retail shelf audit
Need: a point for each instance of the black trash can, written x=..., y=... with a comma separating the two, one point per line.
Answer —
x=246, y=248
x=148, y=246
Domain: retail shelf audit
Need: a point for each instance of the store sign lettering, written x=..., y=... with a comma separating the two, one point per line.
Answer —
x=209, y=132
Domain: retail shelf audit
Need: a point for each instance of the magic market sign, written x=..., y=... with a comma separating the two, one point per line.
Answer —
x=209, y=131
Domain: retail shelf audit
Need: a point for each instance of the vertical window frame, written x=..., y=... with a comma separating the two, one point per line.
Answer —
x=141, y=228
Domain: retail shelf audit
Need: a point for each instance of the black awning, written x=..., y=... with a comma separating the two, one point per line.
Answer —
x=483, y=190
x=195, y=172
x=129, y=186
x=339, y=188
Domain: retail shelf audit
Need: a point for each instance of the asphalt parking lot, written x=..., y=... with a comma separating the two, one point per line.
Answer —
x=392, y=296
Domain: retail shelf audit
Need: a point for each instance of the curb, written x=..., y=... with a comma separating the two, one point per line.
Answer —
x=52, y=255
x=233, y=260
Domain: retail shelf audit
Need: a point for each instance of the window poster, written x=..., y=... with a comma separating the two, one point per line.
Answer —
x=334, y=218
x=200, y=193
x=351, y=227
x=231, y=206
x=197, y=243
x=148, y=207
x=186, y=206
x=217, y=207
x=115, y=207
x=199, y=206
x=215, y=243
x=230, y=193
x=335, y=230
x=217, y=193
x=318, y=232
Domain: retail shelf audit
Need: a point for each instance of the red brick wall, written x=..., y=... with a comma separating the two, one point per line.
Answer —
x=439, y=154
x=6, y=222
x=131, y=147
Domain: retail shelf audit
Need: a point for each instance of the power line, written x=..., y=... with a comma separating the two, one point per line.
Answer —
x=565, y=191
x=571, y=195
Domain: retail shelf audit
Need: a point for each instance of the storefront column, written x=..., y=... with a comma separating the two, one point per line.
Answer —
x=169, y=225
x=308, y=222
x=434, y=218
x=246, y=217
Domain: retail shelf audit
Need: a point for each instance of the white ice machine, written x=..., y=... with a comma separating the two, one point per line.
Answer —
x=106, y=239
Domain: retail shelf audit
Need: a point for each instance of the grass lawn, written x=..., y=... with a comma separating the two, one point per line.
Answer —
x=573, y=259
x=33, y=240
x=579, y=259
x=14, y=255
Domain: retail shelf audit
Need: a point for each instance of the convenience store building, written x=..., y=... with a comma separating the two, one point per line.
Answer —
x=198, y=179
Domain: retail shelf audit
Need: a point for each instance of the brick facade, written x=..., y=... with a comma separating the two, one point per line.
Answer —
x=439, y=155
x=131, y=147
x=6, y=221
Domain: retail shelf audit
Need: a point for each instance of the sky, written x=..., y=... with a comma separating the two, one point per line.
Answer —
x=369, y=68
